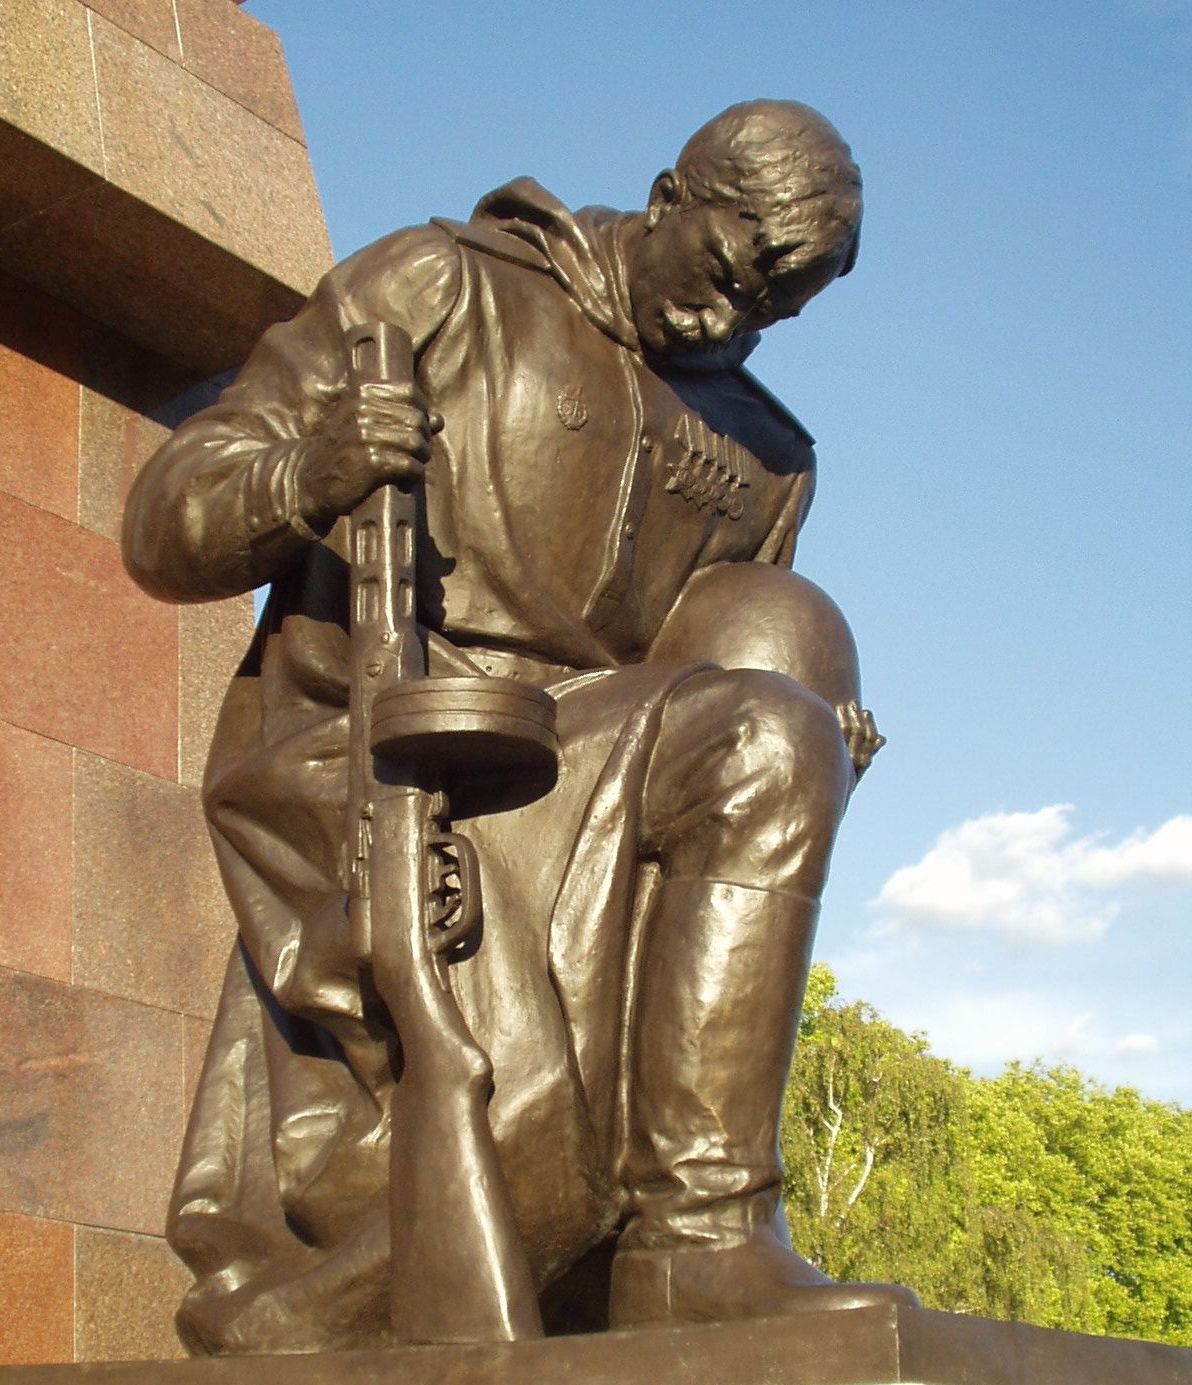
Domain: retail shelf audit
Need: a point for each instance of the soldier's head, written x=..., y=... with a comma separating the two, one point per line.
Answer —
x=760, y=213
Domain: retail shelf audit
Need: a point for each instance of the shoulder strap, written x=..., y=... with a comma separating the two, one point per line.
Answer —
x=500, y=244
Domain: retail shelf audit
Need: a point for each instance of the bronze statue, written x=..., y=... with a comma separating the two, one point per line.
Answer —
x=529, y=526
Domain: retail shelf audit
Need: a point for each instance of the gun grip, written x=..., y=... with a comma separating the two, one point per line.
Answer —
x=379, y=353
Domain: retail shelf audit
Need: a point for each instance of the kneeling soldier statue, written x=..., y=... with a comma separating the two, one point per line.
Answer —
x=525, y=793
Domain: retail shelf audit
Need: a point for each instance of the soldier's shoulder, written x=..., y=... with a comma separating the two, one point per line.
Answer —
x=411, y=277
x=414, y=254
x=491, y=240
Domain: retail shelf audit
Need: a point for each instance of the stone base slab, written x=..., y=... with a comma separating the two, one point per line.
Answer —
x=867, y=1346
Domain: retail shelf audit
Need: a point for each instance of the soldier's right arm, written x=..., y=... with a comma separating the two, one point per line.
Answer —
x=242, y=488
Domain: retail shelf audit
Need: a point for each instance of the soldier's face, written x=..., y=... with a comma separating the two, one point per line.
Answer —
x=704, y=273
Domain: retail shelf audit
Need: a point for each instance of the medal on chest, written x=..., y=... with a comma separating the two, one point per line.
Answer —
x=707, y=469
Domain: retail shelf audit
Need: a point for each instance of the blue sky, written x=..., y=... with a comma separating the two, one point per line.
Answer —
x=1001, y=394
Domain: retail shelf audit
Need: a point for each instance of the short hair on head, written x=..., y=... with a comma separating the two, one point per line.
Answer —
x=776, y=157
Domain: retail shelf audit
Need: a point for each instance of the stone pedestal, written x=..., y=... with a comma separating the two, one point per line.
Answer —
x=157, y=213
x=156, y=176
x=868, y=1346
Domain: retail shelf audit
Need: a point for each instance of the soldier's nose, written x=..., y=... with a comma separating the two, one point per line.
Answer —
x=717, y=327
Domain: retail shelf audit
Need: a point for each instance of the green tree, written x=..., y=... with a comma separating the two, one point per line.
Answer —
x=1107, y=1176
x=1036, y=1196
x=872, y=1140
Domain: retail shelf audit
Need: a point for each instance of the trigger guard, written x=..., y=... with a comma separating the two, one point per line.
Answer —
x=468, y=866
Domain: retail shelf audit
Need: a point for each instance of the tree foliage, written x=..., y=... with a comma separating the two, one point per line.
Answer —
x=1036, y=1196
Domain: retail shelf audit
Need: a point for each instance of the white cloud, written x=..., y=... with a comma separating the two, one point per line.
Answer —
x=1164, y=856
x=984, y=1030
x=984, y=1018
x=1025, y=875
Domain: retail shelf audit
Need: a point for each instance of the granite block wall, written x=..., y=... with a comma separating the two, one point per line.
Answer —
x=157, y=213
x=113, y=927
x=155, y=170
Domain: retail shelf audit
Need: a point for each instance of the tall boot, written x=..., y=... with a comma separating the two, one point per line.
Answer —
x=721, y=988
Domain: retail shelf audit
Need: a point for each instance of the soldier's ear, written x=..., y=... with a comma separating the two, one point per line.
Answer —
x=666, y=193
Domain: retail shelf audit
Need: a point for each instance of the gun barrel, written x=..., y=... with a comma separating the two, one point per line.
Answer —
x=385, y=647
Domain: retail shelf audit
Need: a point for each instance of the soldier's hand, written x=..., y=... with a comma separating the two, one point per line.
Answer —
x=861, y=735
x=374, y=434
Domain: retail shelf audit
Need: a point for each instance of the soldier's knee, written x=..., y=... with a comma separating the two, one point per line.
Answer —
x=748, y=783
x=754, y=616
x=786, y=755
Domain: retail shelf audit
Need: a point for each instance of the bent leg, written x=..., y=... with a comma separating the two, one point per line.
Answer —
x=745, y=791
x=747, y=788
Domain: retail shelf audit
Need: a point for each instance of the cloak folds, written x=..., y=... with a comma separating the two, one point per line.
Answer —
x=280, y=1202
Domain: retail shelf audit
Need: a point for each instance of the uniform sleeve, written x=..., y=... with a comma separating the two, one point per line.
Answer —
x=779, y=545
x=214, y=511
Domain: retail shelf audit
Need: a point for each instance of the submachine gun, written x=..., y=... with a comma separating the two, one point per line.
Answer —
x=459, y=1271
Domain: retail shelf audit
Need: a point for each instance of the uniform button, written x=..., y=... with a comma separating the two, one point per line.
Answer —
x=630, y=532
x=647, y=443
x=253, y=522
